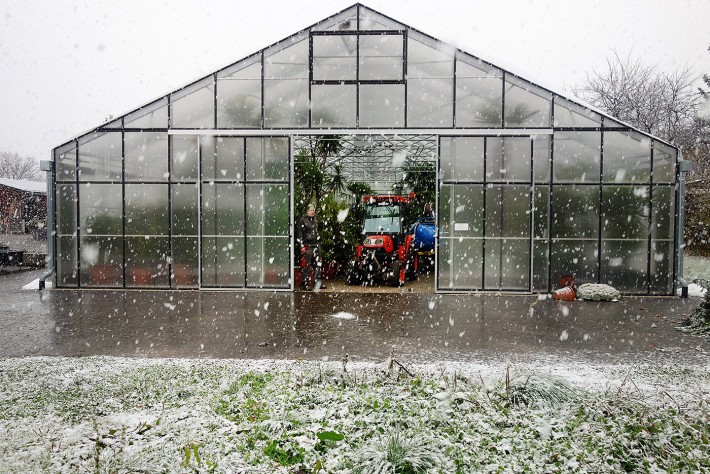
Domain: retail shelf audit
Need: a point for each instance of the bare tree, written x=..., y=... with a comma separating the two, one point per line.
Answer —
x=658, y=103
x=13, y=166
x=665, y=105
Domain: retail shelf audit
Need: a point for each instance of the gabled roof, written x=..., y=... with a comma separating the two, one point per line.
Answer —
x=360, y=18
x=25, y=185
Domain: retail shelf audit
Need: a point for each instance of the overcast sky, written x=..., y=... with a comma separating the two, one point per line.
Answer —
x=67, y=65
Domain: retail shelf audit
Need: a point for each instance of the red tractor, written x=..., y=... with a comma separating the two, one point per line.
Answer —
x=389, y=251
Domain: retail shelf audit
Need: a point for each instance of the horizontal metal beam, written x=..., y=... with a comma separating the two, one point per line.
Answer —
x=489, y=132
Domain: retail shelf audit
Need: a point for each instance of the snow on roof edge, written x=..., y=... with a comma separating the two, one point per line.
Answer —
x=25, y=185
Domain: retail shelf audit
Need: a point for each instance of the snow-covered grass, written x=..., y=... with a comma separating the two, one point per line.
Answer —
x=102, y=414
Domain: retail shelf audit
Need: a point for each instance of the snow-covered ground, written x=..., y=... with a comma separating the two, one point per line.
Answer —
x=536, y=414
x=102, y=414
x=696, y=267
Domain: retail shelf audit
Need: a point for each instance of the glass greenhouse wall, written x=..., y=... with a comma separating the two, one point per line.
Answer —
x=194, y=189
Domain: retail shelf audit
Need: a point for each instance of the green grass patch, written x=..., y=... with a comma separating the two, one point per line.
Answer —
x=229, y=416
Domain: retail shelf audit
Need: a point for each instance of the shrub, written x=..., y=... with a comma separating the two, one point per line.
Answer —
x=697, y=221
x=699, y=320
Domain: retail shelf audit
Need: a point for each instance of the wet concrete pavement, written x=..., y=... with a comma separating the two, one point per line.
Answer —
x=420, y=327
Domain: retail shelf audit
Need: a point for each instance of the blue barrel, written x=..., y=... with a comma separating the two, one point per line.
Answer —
x=424, y=232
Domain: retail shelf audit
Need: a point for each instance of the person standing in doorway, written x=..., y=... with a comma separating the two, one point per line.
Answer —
x=308, y=239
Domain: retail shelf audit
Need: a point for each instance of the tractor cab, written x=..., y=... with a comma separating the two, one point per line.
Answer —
x=384, y=224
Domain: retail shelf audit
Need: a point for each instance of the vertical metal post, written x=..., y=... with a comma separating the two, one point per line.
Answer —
x=48, y=166
x=683, y=168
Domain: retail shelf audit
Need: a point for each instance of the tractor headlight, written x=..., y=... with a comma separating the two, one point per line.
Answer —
x=370, y=241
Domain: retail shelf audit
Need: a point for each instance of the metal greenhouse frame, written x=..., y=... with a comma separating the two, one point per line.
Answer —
x=195, y=189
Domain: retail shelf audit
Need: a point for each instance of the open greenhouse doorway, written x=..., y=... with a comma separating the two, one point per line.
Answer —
x=378, y=188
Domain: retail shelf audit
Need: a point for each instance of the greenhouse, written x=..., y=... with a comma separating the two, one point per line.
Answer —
x=197, y=189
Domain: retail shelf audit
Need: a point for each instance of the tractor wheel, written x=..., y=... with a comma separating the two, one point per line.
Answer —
x=396, y=275
x=352, y=275
x=412, y=264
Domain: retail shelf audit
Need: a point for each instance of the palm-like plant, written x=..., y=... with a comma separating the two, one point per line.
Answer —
x=337, y=182
x=323, y=146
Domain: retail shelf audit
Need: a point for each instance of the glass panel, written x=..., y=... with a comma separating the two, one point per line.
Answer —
x=193, y=107
x=184, y=206
x=430, y=97
x=183, y=164
x=101, y=209
x=223, y=261
x=460, y=263
x=663, y=205
x=611, y=123
x=239, y=95
x=146, y=156
x=624, y=264
x=382, y=105
x=67, y=263
x=627, y=157
x=662, y=267
x=381, y=57
x=100, y=157
x=574, y=257
x=664, y=163
x=507, y=211
x=154, y=115
x=101, y=261
x=507, y=264
x=267, y=158
x=344, y=21
x=146, y=209
x=267, y=210
x=333, y=105
x=334, y=58
x=462, y=158
x=222, y=209
x=541, y=158
x=65, y=160
x=66, y=209
x=525, y=104
x=577, y=156
x=268, y=262
x=147, y=261
x=461, y=211
x=371, y=20
x=222, y=158
x=185, y=264
x=568, y=114
x=541, y=219
x=575, y=212
x=479, y=94
x=508, y=159
x=286, y=85
x=625, y=212
x=115, y=124
x=540, y=259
